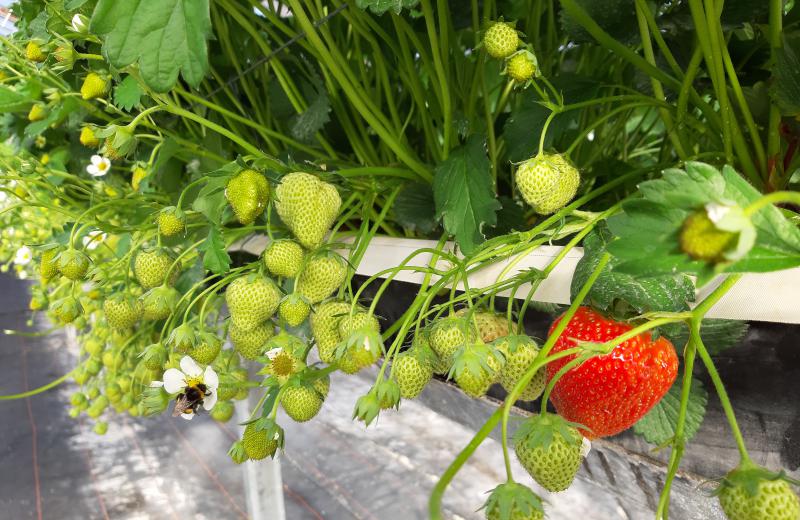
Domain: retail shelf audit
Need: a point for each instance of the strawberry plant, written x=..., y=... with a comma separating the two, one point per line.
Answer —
x=143, y=142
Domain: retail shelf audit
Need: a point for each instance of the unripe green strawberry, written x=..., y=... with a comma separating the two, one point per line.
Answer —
x=171, y=221
x=521, y=67
x=252, y=300
x=412, y=374
x=151, y=266
x=94, y=86
x=294, y=309
x=512, y=501
x=547, y=182
x=475, y=368
x=261, y=439
x=93, y=347
x=284, y=258
x=308, y=206
x=247, y=192
x=325, y=327
x=206, y=349
x=751, y=492
x=322, y=385
x=361, y=343
x=122, y=311
x=450, y=334
x=37, y=113
x=549, y=448
x=182, y=338
x=251, y=343
x=222, y=411
x=350, y=323
x=322, y=275
x=301, y=403
x=77, y=399
x=87, y=138
x=73, y=264
x=154, y=356
x=139, y=174
x=48, y=265
x=229, y=384
x=520, y=351
x=501, y=40
x=66, y=310
x=158, y=303
x=33, y=51
x=490, y=325
x=702, y=240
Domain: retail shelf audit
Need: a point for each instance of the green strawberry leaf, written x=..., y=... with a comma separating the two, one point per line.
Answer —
x=464, y=195
x=381, y=6
x=314, y=119
x=215, y=257
x=414, y=208
x=166, y=37
x=648, y=230
x=717, y=335
x=667, y=292
x=128, y=94
x=511, y=217
x=615, y=17
x=13, y=101
x=210, y=200
x=658, y=426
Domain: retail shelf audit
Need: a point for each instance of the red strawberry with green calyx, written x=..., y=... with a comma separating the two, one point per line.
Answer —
x=608, y=394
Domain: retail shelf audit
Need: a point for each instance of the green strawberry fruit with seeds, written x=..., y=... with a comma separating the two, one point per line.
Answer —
x=547, y=182
x=207, y=348
x=751, y=492
x=73, y=264
x=702, y=240
x=549, y=448
x=251, y=343
x=325, y=327
x=122, y=311
x=308, y=206
x=152, y=265
x=411, y=373
x=448, y=335
x=252, y=299
x=48, y=264
x=222, y=411
x=159, y=303
x=501, y=40
x=520, y=352
x=294, y=309
x=284, y=258
x=262, y=438
x=171, y=221
x=322, y=274
x=521, y=66
x=475, y=368
x=300, y=402
x=247, y=193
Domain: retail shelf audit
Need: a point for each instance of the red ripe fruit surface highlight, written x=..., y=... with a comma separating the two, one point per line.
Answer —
x=608, y=394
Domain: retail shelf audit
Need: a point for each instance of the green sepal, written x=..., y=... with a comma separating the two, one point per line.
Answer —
x=367, y=408
x=510, y=498
x=237, y=453
x=539, y=431
x=748, y=476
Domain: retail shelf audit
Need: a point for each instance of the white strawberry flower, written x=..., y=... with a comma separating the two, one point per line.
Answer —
x=99, y=166
x=79, y=23
x=94, y=239
x=190, y=375
x=23, y=256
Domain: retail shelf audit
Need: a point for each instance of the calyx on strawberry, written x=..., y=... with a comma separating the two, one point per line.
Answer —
x=73, y=264
x=361, y=345
x=475, y=368
x=308, y=206
x=635, y=375
x=248, y=193
x=512, y=501
x=547, y=182
x=549, y=448
x=751, y=492
x=158, y=303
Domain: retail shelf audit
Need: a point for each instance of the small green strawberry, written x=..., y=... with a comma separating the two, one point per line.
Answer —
x=412, y=373
x=230, y=384
x=66, y=310
x=94, y=86
x=300, y=402
x=247, y=192
x=33, y=51
x=549, y=448
x=251, y=343
x=490, y=325
x=154, y=356
x=308, y=206
x=323, y=274
x=751, y=492
x=182, y=338
x=512, y=501
x=702, y=240
x=521, y=66
x=325, y=327
x=87, y=138
x=501, y=40
x=222, y=411
x=37, y=113
x=294, y=309
x=206, y=349
x=547, y=182
x=262, y=438
x=284, y=258
x=252, y=299
x=73, y=264
x=361, y=344
x=159, y=303
x=152, y=265
x=48, y=264
x=475, y=368
x=447, y=336
x=322, y=385
x=171, y=221
x=122, y=311
x=520, y=351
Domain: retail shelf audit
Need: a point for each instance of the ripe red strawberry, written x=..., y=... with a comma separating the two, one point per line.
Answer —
x=608, y=394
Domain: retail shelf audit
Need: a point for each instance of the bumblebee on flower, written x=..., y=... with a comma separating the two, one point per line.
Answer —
x=194, y=387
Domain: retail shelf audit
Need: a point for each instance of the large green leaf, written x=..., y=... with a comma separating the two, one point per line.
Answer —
x=13, y=101
x=215, y=255
x=464, y=195
x=786, y=86
x=658, y=426
x=717, y=335
x=381, y=6
x=415, y=208
x=167, y=37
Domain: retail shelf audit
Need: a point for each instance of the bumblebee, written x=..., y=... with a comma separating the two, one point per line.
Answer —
x=191, y=399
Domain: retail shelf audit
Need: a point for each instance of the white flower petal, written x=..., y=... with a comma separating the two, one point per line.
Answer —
x=188, y=416
x=274, y=352
x=210, y=378
x=174, y=381
x=92, y=170
x=586, y=447
x=210, y=400
x=190, y=367
x=96, y=160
